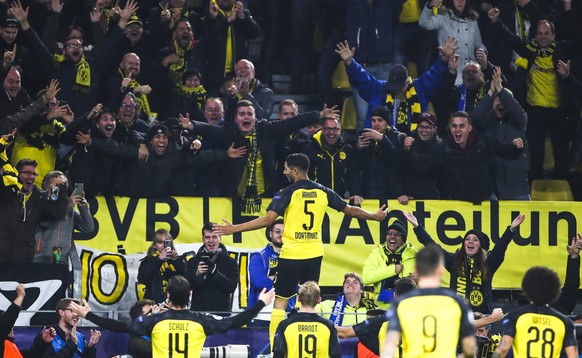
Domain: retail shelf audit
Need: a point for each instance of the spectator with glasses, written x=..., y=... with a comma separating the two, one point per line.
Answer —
x=333, y=162
x=390, y=261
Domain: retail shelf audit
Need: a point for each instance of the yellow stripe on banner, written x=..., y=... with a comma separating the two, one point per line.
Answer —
x=541, y=239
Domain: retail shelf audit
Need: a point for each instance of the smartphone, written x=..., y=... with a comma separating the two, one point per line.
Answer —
x=79, y=189
x=168, y=243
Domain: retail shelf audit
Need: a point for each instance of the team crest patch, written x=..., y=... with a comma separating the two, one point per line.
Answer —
x=476, y=298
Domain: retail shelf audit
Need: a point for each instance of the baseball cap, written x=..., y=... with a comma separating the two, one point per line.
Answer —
x=397, y=78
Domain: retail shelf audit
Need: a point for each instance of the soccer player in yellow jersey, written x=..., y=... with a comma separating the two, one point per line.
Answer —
x=307, y=334
x=431, y=320
x=302, y=204
x=537, y=330
x=177, y=331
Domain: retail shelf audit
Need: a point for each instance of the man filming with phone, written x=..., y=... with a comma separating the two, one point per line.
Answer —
x=212, y=273
x=54, y=238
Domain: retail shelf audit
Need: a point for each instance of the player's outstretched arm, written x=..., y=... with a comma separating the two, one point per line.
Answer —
x=392, y=340
x=229, y=228
x=360, y=213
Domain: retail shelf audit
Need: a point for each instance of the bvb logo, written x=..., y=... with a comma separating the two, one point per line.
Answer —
x=342, y=155
x=476, y=298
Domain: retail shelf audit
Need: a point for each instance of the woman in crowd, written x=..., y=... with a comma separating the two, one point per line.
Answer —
x=161, y=263
x=472, y=266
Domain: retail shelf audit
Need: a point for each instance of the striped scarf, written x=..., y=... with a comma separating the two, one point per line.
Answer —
x=142, y=99
x=230, y=58
x=193, y=94
x=251, y=201
x=83, y=76
x=534, y=47
x=9, y=174
x=180, y=67
x=463, y=97
x=408, y=109
x=251, y=89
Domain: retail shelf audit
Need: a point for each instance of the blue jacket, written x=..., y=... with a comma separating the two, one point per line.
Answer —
x=261, y=263
x=374, y=91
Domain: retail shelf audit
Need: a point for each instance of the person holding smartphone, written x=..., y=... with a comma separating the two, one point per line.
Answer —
x=161, y=263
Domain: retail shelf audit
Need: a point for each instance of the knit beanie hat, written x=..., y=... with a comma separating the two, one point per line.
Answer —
x=400, y=227
x=483, y=238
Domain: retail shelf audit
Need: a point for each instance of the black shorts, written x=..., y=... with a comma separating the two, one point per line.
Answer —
x=293, y=272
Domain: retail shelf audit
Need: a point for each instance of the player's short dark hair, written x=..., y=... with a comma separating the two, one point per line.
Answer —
x=271, y=226
x=428, y=260
x=179, y=290
x=298, y=160
x=404, y=285
x=137, y=309
x=541, y=285
x=309, y=294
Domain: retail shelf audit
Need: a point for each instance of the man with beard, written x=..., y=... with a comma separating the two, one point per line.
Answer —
x=79, y=74
x=128, y=80
x=246, y=86
x=392, y=260
x=462, y=157
x=263, y=269
x=333, y=162
x=68, y=342
x=499, y=115
x=131, y=128
x=99, y=172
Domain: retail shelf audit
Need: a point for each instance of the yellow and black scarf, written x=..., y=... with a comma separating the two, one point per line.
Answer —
x=104, y=20
x=251, y=89
x=83, y=77
x=197, y=95
x=142, y=99
x=230, y=58
x=10, y=174
x=408, y=109
x=535, y=47
x=251, y=200
x=462, y=104
x=180, y=67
